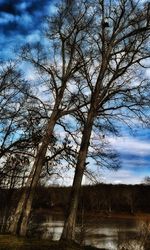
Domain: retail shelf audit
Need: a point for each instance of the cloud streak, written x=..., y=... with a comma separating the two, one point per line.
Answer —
x=123, y=176
x=131, y=145
x=135, y=157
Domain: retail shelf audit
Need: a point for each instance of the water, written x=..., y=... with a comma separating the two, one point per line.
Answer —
x=106, y=233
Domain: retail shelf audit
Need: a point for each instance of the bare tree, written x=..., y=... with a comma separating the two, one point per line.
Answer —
x=146, y=180
x=20, y=130
x=57, y=68
x=13, y=95
x=12, y=176
x=21, y=114
x=115, y=75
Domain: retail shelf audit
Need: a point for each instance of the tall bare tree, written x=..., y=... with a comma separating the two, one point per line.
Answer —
x=115, y=75
x=57, y=68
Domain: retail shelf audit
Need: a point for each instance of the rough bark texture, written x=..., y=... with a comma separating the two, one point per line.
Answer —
x=69, y=226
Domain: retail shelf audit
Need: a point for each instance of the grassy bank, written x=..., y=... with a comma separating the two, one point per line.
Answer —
x=8, y=242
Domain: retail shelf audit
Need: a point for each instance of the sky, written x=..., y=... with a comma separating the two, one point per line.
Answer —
x=20, y=22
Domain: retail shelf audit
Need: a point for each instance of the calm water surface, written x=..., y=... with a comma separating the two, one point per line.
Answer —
x=102, y=233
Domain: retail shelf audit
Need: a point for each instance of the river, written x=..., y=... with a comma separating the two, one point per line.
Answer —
x=105, y=233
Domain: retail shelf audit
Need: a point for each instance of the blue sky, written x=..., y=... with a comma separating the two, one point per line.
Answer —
x=20, y=22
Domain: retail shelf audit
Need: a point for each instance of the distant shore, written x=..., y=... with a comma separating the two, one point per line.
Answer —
x=97, y=214
x=123, y=215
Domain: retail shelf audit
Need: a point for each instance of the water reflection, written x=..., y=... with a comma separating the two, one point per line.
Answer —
x=52, y=229
x=107, y=232
x=102, y=233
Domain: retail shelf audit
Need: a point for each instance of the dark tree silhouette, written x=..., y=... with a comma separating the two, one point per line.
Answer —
x=119, y=90
x=57, y=69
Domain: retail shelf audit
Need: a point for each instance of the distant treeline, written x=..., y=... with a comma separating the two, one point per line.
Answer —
x=97, y=198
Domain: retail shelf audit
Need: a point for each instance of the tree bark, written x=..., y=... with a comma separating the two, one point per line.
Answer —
x=70, y=222
x=22, y=213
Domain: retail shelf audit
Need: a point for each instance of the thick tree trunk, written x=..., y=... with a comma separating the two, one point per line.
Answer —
x=22, y=213
x=70, y=222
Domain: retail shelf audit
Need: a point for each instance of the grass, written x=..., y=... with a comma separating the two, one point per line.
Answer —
x=9, y=242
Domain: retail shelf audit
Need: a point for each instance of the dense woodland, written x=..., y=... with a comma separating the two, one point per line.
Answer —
x=100, y=198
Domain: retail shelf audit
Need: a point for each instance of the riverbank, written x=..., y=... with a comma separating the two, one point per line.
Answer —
x=114, y=215
x=59, y=215
x=8, y=242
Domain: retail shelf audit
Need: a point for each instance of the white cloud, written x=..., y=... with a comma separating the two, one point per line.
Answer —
x=148, y=73
x=122, y=176
x=130, y=145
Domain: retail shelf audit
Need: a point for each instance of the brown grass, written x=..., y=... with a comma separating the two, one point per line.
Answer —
x=9, y=242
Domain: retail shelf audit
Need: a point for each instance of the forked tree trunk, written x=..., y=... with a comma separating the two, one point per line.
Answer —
x=70, y=222
x=22, y=213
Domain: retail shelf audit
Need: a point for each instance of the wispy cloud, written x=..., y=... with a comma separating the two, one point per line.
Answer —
x=130, y=145
x=123, y=176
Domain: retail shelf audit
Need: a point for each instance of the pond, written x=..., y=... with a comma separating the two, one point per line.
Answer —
x=105, y=233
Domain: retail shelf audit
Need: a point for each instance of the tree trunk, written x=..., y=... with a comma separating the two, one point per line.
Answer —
x=4, y=225
x=70, y=222
x=22, y=213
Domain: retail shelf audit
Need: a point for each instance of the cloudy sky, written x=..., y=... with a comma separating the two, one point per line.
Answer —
x=20, y=22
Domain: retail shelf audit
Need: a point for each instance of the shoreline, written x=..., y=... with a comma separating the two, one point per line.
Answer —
x=123, y=215
x=89, y=216
x=96, y=214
